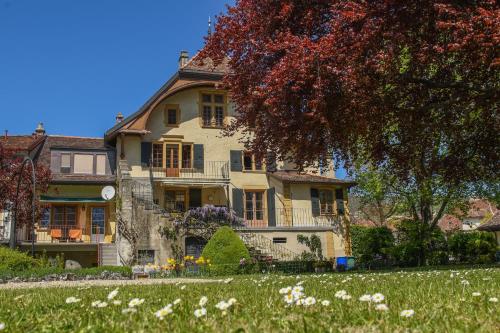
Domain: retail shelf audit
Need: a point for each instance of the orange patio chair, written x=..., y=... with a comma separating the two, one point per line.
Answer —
x=75, y=234
x=55, y=234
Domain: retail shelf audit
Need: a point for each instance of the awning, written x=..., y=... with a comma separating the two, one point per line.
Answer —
x=45, y=198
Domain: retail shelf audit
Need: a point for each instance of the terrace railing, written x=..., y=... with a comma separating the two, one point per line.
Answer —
x=212, y=170
x=64, y=234
x=296, y=218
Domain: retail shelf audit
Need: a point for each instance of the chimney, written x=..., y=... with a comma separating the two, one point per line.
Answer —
x=39, y=130
x=183, y=59
x=119, y=117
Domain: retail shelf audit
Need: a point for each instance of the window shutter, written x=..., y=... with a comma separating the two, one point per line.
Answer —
x=198, y=153
x=146, y=153
x=315, y=202
x=271, y=207
x=194, y=197
x=236, y=163
x=339, y=197
x=271, y=162
x=238, y=201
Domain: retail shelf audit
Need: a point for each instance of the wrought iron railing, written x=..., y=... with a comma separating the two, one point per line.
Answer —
x=304, y=217
x=218, y=170
x=64, y=234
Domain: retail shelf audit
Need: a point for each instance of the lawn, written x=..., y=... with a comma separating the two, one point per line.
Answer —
x=441, y=301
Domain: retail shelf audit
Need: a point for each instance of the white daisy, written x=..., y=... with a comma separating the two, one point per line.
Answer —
x=325, y=302
x=200, y=312
x=160, y=314
x=183, y=287
x=407, y=313
x=476, y=294
x=117, y=302
x=289, y=299
x=340, y=293
x=135, y=301
x=203, y=301
x=308, y=301
x=381, y=307
x=177, y=301
x=95, y=303
x=284, y=291
x=346, y=297
x=231, y=301
x=2, y=326
x=129, y=310
x=365, y=298
x=222, y=305
x=377, y=297
x=465, y=282
x=493, y=299
x=113, y=294
x=102, y=305
x=72, y=299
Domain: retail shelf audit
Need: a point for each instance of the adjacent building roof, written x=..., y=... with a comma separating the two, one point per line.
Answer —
x=492, y=225
x=23, y=144
x=296, y=177
x=449, y=223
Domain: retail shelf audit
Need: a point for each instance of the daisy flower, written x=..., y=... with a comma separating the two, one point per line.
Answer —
x=346, y=297
x=231, y=301
x=112, y=294
x=377, y=298
x=117, y=302
x=203, y=301
x=222, y=305
x=476, y=294
x=325, y=302
x=160, y=314
x=365, y=298
x=308, y=301
x=381, y=307
x=94, y=304
x=289, y=299
x=407, y=313
x=493, y=299
x=284, y=291
x=129, y=310
x=72, y=299
x=340, y=293
x=102, y=305
x=2, y=326
x=200, y=312
x=135, y=301
x=177, y=301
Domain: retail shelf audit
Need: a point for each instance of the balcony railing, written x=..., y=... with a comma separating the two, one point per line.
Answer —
x=213, y=170
x=64, y=234
x=296, y=218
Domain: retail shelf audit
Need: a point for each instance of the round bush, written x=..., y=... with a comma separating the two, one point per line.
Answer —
x=225, y=250
x=15, y=260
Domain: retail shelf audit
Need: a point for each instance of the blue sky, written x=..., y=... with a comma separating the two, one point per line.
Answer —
x=74, y=64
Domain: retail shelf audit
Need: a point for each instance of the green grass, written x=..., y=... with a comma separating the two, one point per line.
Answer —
x=442, y=303
x=41, y=272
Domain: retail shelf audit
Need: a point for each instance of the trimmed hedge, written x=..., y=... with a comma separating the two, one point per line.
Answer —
x=475, y=247
x=16, y=261
x=225, y=250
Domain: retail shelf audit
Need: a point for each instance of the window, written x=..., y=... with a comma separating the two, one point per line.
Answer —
x=65, y=163
x=84, y=164
x=64, y=215
x=254, y=205
x=279, y=240
x=186, y=157
x=326, y=202
x=175, y=201
x=251, y=163
x=213, y=109
x=45, y=220
x=145, y=257
x=100, y=168
x=157, y=155
x=339, y=196
x=172, y=115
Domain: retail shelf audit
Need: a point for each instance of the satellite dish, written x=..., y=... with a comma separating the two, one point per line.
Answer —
x=108, y=193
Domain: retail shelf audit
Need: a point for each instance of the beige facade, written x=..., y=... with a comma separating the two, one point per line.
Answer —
x=174, y=144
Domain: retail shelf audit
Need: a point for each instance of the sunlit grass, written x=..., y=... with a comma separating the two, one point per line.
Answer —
x=442, y=301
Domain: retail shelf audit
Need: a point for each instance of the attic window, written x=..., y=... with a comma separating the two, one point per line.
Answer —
x=65, y=163
x=213, y=109
x=172, y=115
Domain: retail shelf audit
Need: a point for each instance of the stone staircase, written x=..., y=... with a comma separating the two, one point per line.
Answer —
x=107, y=254
x=263, y=248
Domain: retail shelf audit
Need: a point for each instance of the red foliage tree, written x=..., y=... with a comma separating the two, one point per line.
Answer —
x=411, y=86
x=10, y=171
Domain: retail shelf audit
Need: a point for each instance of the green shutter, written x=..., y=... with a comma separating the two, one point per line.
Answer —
x=271, y=207
x=236, y=160
x=271, y=162
x=146, y=153
x=198, y=157
x=315, y=202
x=194, y=197
x=238, y=201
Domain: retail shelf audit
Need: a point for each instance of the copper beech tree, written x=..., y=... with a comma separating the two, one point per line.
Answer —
x=10, y=172
x=410, y=86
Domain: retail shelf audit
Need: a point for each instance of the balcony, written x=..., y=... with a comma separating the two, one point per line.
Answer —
x=296, y=218
x=212, y=171
x=63, y=234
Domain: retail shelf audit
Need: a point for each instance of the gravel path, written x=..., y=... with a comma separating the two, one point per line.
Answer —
x=100, y=283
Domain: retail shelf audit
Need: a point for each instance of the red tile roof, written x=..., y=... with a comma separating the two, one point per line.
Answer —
x=492, y=225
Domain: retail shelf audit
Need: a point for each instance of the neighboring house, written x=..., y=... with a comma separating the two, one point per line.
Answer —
x=77, y=221
x=172, y=156
x=21, y=146
x=480, y=211
x=493, y=225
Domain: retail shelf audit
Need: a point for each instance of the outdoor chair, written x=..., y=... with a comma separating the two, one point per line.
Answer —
x=75, y=235
x=55, y=234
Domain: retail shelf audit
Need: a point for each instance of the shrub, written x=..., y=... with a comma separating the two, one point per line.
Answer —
x=374, y=246
x=225, y=250
x=473, y=247
x=415, y=241
x=15, y=260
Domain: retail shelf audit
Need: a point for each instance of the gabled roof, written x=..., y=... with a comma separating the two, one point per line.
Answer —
x=492, y=225
x=287, y=176
x=195, y=73
x=21, y=142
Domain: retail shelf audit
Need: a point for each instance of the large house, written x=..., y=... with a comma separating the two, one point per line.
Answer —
x=172, y=157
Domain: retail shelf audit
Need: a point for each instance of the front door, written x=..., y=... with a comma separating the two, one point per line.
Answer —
x=172, y=160
x=98, y=224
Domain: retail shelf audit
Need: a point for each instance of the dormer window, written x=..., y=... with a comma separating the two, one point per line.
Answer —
x=65, y=163
x=172, y=115
x=213, y=109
